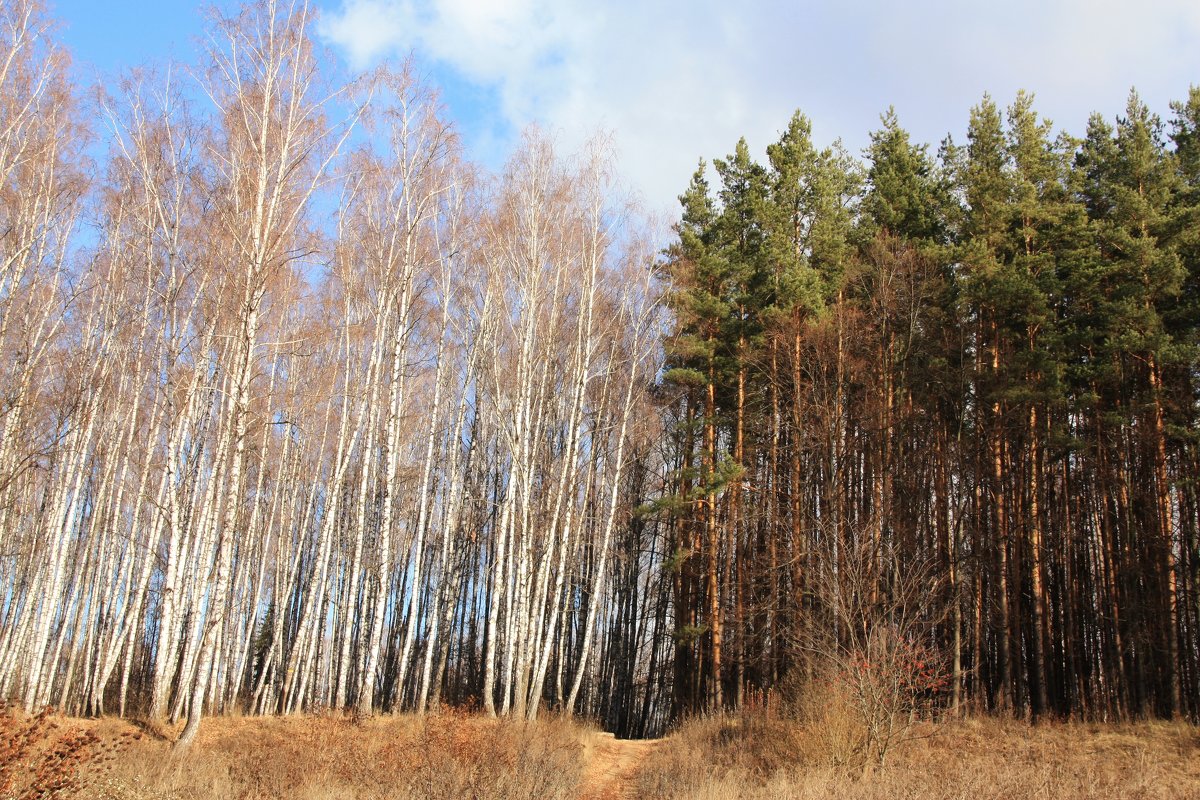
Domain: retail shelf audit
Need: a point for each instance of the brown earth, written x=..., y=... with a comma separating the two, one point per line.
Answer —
x=612, y=765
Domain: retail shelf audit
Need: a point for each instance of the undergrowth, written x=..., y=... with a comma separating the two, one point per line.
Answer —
x=753, y=757
x=42, y=757
x=334, y=757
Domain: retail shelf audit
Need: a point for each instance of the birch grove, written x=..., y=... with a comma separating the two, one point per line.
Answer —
x=315, y=413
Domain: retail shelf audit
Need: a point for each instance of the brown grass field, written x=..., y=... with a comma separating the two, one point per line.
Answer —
x=975, y=759
x=458, y=755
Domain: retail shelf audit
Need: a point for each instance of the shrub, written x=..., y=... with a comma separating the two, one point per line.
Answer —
x=871, y=669
x=39, y=759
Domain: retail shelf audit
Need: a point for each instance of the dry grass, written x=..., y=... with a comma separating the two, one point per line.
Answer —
x=803, y=755
x=42, y=756
x=334, y=758
x=719, y=758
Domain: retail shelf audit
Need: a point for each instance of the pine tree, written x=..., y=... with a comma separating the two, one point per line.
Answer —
x=1130, y=182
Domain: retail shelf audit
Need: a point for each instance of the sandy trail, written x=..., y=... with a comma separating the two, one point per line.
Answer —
x=613, y=765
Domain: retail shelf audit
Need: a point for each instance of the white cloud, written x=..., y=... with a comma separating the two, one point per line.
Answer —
x=365, y=30
x=674, y=81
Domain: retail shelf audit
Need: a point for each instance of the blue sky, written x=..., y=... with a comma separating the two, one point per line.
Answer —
x=676, y=81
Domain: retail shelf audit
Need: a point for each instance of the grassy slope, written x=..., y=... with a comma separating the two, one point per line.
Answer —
x=977, y=759
x=329, y=758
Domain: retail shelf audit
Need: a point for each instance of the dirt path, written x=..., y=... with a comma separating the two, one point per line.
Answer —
x=612, y=766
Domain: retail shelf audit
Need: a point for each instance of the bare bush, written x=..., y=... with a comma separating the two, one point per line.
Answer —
x=872, y=666
x=41, y=758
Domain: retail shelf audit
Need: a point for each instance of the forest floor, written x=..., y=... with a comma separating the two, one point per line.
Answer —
x=456, y=755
